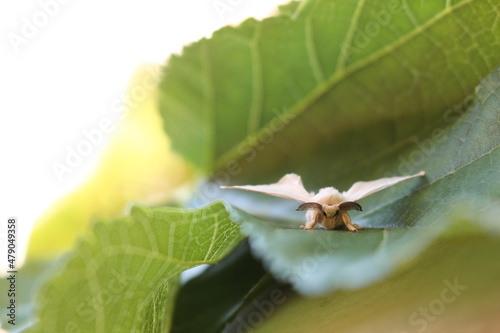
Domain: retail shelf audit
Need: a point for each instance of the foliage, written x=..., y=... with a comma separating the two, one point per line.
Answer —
x=124, y=275
x=337, y=91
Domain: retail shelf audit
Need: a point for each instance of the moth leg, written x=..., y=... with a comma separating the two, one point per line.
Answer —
x=312, y=218
x=347, y=222
x=308, y=226
x=357, y=226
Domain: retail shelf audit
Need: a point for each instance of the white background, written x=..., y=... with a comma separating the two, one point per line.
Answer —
x=61, y=77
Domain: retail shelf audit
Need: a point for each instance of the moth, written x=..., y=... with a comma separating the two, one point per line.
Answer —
x=329, y=208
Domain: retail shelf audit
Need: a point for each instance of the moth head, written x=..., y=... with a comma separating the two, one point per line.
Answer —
x=331, y=210
x=334, y=210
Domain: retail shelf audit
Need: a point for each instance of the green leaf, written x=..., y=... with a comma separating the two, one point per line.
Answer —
x=462, y=164
x=452, y=286
x=289, y=9
x=124, y=275
x=209, y=301
x=308, y=90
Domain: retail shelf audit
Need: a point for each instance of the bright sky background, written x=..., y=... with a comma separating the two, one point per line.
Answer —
x=66, y=70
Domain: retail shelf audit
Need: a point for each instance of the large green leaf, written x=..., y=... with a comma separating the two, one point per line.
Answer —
x=123, y=275
x=308, y=89
x=462, y=164
x=453, y=286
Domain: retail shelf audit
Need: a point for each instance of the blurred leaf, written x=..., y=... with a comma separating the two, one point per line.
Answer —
x=462, y=165
x=123, y=275
x=289, y=9
x=137, y=166
x=209, y=301
x=453, y=286
x=306, y=92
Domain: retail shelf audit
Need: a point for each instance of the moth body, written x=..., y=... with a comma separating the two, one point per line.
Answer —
x=330, y=216
x=328, y=208
x=328, y=196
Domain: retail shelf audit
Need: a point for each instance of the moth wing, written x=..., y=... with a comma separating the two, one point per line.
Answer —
x=360, y=190
x=288, y=187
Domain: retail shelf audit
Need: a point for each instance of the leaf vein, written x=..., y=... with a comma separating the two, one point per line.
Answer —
x=347, y=43
x=208, y=107
x=256, y=108
x=410, y=14
x=312, y=52
x=336, y=78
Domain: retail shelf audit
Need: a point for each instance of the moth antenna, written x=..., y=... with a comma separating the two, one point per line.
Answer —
x=311, y=205
x=350, y=205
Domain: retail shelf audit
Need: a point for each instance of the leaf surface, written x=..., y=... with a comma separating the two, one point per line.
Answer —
x=462, y=165
x=309, y=89
x=124, y=275
x=452, y=286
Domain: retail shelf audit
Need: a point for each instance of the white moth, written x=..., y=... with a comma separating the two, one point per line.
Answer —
x=328, y=207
